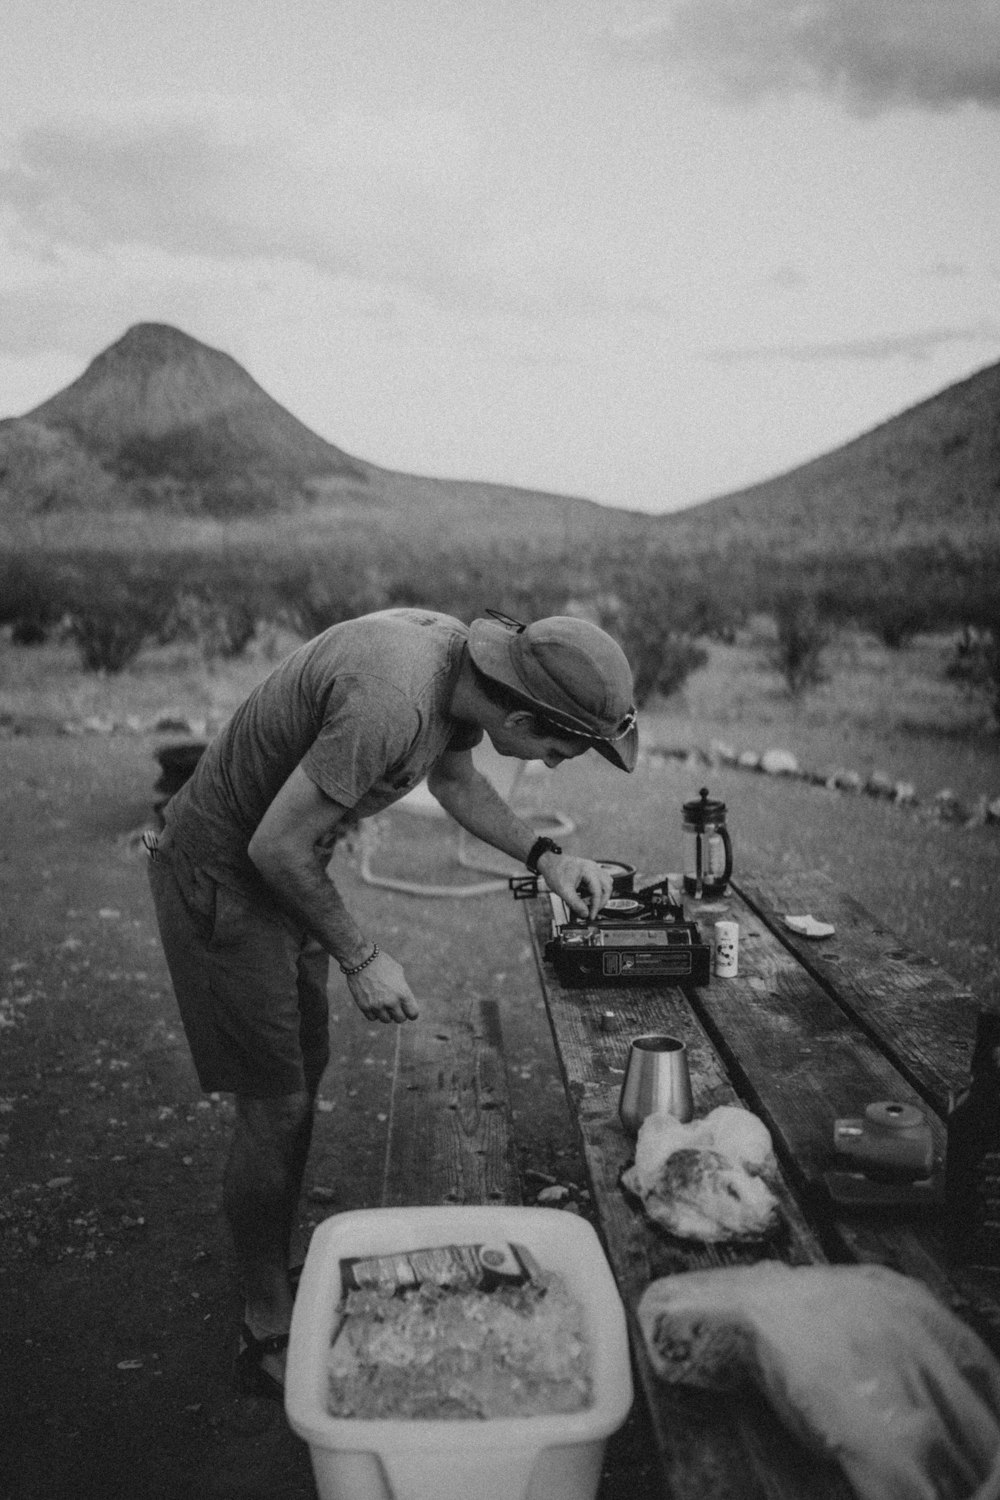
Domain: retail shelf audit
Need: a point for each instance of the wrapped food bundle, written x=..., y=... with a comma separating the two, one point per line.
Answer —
x=861, y=1362
x=486, y=1334
x=705, y=1180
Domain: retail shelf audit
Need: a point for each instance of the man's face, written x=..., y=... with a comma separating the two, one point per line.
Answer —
x=518, y=736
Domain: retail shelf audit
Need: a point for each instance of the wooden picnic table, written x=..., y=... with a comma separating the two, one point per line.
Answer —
x=806, y=1033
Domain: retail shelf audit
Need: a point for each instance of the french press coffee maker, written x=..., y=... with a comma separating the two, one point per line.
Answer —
x=708, y=851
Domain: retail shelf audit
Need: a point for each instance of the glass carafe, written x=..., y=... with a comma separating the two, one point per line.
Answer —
x=708, y=851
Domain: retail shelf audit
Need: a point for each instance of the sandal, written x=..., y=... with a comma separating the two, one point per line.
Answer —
x=251, y=1377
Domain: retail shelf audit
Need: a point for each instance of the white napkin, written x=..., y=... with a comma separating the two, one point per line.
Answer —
x=808, y=926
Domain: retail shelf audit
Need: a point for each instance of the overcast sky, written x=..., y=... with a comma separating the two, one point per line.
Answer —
x=645, y=251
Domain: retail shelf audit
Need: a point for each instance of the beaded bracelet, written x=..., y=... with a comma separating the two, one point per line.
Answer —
x=373, y=955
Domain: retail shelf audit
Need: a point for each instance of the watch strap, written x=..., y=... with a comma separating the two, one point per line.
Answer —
x=541, y=846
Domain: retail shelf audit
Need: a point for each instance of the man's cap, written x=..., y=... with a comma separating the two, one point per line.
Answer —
x=569, y=672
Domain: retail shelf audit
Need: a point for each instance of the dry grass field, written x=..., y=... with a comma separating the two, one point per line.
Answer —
x=892, y=711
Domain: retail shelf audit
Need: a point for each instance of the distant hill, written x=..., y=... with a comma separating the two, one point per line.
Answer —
x=160, y=423
x=162, y=433
x=928, y=476
x=159, y=420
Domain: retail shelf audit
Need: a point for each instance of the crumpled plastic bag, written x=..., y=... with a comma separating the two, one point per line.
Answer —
x=860, y=1362
x=704, y=1180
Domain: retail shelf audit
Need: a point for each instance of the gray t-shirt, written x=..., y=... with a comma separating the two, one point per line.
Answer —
x=363, y=709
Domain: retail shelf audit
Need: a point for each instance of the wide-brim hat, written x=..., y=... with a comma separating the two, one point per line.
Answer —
x=571, y=673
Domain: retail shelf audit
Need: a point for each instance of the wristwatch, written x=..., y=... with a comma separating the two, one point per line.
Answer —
x=539, y=847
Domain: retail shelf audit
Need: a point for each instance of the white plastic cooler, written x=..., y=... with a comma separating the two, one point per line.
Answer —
x=555, y=1457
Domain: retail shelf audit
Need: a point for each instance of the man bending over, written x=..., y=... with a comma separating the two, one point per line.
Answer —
x=248, y=913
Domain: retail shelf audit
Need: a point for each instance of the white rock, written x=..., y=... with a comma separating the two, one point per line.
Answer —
x=724, y=753
x=977, y=817
x=779, y=763
x=904, y=791
x=749, y=760
x=948, y=807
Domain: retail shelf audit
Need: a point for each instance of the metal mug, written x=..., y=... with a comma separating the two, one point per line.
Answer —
x=657, y=1078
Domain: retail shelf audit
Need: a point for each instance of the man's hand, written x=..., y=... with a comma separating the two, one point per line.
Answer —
x=381, y=993
x=573, y=879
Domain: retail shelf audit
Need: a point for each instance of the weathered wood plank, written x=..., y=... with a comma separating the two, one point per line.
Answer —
x=710, y=1447
x=912, y=1006
x=798, y=1057
x=449, y=1133
x=800, y=1060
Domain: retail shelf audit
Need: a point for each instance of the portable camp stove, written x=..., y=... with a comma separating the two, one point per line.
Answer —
x=640, y=937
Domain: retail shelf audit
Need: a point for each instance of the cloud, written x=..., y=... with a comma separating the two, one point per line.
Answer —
x=225, y=178
x=948, y=270
x=399, y=198
x=913, y=346
x=873, y=55
x=395, y=203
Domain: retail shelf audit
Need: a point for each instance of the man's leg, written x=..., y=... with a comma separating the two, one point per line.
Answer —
x=261, y=1187
x=254, y=1006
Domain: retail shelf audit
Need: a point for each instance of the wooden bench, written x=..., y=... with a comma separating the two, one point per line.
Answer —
x=449, y=1139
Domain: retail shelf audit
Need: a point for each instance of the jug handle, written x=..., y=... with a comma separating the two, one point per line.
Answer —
x=727, y=845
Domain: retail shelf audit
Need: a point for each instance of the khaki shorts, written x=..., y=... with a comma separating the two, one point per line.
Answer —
x=250, y=990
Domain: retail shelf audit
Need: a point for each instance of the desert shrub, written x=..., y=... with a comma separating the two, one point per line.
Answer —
x=29, y=601
x=662, y=656
x=317, y=591
x=896, y=617
x=222, y=627
x=900, y=593
x=312, y=593
x=197, y=469
x=114, y=605
x=465, y=581
x=655, y=611
x=801, y=638
x=974, y=664
x=108, y=638
x=219, y=599
x=675, y=659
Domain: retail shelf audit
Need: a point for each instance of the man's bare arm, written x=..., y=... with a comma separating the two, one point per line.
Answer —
x=469, y=797
x=473, y=801
x=284, y=851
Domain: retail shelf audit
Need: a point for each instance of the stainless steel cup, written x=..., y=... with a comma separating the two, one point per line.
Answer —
x=656, y=1078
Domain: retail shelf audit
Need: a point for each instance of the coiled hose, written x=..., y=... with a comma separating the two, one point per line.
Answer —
x=555, y=823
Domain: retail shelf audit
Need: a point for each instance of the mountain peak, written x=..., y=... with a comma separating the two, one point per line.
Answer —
x=154, y=342
x=174, y=420
x=151, y=380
